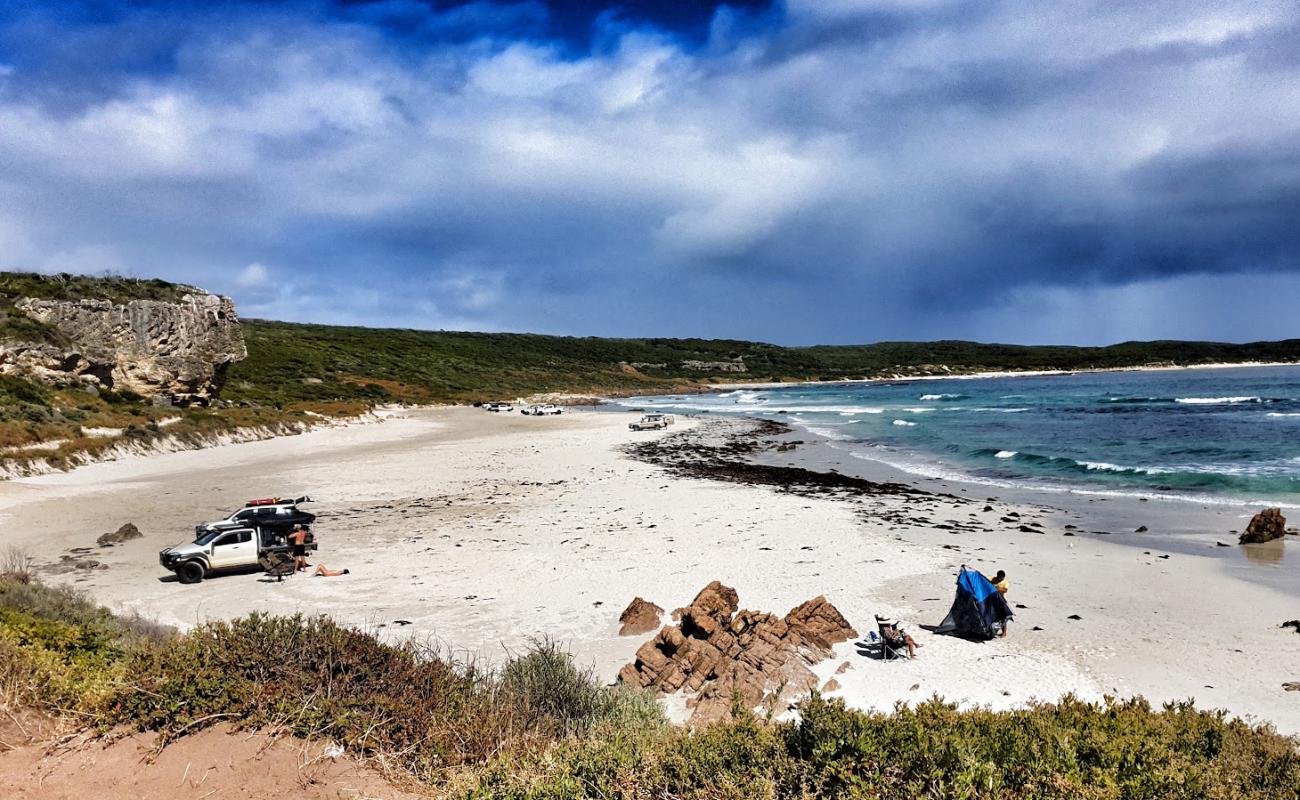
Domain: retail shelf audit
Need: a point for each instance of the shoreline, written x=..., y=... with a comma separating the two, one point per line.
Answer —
x=481, y=530
x=996, y=374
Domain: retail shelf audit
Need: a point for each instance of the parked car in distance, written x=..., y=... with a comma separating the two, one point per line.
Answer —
x=651, y=422
x=498, y=407
x=542, y=410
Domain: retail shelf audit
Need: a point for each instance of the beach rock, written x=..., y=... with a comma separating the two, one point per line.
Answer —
x=1291, y=623
x=831, y=685
x=1265, y=526
x=640, y=616
x=718, y=651
x=123, y=534
x=1141, y=529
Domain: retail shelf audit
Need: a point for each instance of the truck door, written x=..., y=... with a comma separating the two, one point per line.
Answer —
x=234, y=549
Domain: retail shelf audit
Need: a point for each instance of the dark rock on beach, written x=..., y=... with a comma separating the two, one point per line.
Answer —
x=1265, y=526
x=123, y=534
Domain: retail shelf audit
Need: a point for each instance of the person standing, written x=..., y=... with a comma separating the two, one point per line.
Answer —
x=299, y=541
x=1000, y=583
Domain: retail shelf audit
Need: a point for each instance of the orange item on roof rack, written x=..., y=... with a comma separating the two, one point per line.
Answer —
x=265, y=501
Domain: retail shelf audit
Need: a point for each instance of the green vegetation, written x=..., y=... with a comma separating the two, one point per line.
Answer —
x=64, y=286
x=539, y=728
x=290, y=363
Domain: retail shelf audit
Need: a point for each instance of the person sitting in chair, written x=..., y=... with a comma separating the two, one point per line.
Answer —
x=895, y=637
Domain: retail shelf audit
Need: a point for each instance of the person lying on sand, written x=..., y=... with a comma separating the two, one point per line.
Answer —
x=323, y=571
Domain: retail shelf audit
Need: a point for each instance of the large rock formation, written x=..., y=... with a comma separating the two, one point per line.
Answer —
x=717, y=652
x=177, y=350
x=1265, y=526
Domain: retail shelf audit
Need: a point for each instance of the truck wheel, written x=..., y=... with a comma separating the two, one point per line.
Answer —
x=190, y=572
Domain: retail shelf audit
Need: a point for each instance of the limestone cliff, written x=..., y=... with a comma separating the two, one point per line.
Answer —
x=175, y=350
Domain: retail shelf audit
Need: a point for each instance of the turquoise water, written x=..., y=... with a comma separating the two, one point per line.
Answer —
x=1231, y=435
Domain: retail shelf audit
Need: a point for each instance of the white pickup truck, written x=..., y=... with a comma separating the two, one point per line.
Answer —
x=228, y=550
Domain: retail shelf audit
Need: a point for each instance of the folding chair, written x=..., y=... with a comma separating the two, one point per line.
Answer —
x=891, y=649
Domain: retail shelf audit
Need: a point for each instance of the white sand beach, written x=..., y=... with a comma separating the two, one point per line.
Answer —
x=482, y=530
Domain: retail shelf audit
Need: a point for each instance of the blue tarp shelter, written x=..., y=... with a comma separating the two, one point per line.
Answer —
x=977, y=611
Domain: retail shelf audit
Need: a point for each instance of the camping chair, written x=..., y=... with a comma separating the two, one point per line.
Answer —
x=278, y=564
x=891, y=648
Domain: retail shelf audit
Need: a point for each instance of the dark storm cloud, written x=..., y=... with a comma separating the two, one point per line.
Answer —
x=805, y=171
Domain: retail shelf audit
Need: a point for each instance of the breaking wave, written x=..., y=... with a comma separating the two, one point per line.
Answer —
x=1217, y=401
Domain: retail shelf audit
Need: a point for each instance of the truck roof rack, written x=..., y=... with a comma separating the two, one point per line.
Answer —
x=273, y=501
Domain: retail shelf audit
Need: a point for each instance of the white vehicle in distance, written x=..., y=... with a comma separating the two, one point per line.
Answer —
x=498, y=407
x=651, y=422
x=542, y=410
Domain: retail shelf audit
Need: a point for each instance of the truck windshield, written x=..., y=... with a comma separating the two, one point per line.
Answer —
x=207, y=537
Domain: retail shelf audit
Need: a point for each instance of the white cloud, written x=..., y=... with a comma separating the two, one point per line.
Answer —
x=900, y=147
x=253, y=276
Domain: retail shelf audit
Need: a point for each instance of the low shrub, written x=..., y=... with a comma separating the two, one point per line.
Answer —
x=542, y=729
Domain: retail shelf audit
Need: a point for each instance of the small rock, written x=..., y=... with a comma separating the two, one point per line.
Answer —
x=1141, y=529
x=843, y=668
x=830, y=685
x=640, y=616
x=1074, y=616
x=123, y=534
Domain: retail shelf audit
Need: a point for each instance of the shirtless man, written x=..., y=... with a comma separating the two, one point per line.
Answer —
x=299, y=541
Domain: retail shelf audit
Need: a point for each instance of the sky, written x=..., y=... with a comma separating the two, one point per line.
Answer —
x=798, y=172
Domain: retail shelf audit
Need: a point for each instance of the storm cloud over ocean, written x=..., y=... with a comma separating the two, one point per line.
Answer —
x=798, y=172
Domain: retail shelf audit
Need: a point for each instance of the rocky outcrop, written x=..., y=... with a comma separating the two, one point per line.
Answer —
x=123, y=534
x=640, y=616
x=735, y=365
x=717, y=651
x=177, y=351
x=1265, y=526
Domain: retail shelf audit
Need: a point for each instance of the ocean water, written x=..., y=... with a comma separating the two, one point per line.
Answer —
x=1215, y=435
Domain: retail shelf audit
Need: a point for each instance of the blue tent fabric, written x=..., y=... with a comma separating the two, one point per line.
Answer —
x=976, y=584
x=978, y=610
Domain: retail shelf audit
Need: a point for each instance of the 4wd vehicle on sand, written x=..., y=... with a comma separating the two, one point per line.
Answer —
x=498, y=407
x=651, y=422
x=542, y=410
x=229, y=549
x=272, y=512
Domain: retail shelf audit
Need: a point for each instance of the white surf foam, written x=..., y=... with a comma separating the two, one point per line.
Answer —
x=902, y=423
x=1215, y=401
